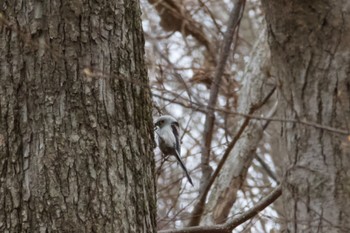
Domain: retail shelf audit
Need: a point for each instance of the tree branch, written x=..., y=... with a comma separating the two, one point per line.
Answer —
x=235, y=221
x=201, y=108
x=234, y=20
x=199, y=207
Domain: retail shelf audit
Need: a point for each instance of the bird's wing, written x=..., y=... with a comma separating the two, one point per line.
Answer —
x=175, y=128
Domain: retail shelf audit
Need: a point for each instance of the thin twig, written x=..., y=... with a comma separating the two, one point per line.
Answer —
x=236, y=221
x=202, y=109
x=234, y=20
x=200, y=205
x=267, y=168
x=261, y=205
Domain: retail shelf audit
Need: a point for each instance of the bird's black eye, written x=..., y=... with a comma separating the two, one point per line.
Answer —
x=159, y=123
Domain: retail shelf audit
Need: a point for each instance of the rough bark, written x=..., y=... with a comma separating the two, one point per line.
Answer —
x=310, y=51
x=76, y=144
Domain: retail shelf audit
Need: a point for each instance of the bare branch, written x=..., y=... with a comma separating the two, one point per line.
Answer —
x=236, y=221
x=199, y=207
x=201, y=108
x=261, y=205
x=234, y=20
x=267, y=168
x=174, y=18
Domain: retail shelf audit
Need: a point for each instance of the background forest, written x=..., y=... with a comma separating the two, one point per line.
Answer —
x=210, y=67
x=261, y=90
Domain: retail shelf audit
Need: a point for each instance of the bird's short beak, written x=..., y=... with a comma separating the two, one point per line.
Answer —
x=156, y=127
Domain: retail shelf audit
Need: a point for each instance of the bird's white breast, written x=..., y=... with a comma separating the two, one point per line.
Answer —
x=167, y=136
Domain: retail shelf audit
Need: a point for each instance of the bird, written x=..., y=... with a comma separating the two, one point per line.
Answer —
x=167, y=130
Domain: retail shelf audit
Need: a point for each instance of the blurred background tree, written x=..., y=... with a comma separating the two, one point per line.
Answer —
x=261, y=90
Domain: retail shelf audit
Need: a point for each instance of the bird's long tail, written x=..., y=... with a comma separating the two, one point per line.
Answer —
x=183, y=168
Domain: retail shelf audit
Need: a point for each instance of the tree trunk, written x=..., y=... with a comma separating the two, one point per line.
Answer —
x=310, y=48
x=76, y=144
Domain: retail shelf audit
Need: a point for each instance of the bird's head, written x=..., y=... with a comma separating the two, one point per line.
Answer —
x=164, y=121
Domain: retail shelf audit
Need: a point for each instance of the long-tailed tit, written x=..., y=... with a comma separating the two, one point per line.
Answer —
x=169, y=139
